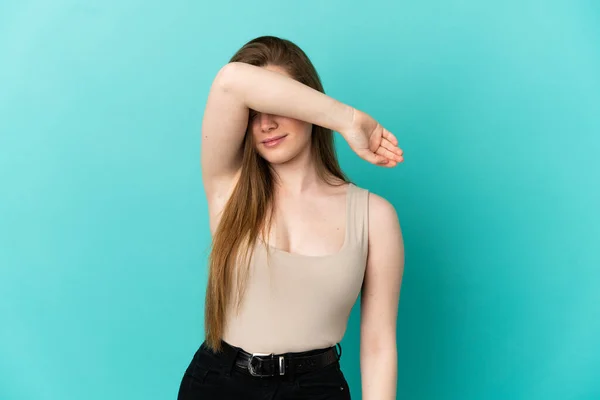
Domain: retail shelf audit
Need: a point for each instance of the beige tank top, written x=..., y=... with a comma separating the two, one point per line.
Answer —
x=299, y=302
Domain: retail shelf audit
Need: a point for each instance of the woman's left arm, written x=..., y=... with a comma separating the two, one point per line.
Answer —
x=379, y=302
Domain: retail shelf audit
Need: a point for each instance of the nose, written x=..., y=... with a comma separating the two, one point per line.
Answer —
x=267, y=122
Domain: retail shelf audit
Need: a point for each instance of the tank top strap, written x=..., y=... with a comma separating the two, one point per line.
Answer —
x=357, y=216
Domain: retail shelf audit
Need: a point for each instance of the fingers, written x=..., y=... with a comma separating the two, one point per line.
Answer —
x=378, y=159
x=388, y=154
x=383, y=150
x=390, y=137
x=392, y=153
x=391, y=147
x=373, y=158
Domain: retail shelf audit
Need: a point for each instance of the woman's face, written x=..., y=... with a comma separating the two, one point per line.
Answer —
x=278, y=139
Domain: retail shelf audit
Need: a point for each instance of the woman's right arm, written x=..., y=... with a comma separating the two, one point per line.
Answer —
x=239, y=87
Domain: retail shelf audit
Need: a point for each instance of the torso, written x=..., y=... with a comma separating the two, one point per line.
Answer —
x=301, y=288
x=312, y=224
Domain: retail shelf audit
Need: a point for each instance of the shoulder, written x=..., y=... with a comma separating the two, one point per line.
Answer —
x=383, y=218
x=386, y=242
x=380, y=209
x=382, y=215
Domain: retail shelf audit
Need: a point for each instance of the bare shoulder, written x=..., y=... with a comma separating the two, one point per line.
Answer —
x=385, y=233
x=382, y=215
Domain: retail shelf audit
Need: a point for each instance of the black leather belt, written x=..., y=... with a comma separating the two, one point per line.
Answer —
x=262, y=365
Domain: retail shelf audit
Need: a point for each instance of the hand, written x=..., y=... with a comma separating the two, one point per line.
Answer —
x=372, y=142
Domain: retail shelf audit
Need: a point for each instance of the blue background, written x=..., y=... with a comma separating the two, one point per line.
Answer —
x=103, y=222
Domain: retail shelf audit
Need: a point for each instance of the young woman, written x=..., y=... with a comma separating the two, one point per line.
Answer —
x=294, y=241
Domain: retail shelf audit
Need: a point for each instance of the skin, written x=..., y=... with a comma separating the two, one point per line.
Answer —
x=309, y=216
x=263, y=126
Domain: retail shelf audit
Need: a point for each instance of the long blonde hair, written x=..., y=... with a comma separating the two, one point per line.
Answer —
x=248, y=212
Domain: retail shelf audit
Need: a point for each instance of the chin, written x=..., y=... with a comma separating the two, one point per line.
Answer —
x=276, y=159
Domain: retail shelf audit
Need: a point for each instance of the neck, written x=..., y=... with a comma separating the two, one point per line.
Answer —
x=296, y=176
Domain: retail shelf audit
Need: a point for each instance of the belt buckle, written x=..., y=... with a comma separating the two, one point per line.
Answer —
x=253, y=371
x=251, y=367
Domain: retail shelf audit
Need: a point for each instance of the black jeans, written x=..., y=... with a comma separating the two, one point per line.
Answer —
x=214, y=376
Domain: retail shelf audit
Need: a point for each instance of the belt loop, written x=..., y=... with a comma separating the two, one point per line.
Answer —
x=340, y=353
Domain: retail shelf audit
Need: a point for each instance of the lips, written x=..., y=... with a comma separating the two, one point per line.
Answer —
x=274, y=138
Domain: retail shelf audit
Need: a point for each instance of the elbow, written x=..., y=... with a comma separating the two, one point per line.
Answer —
x=225, y=76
